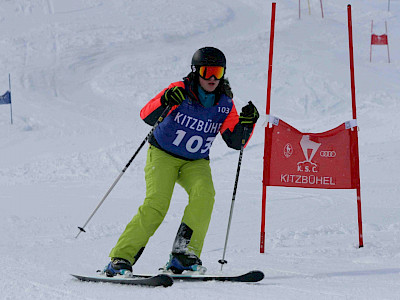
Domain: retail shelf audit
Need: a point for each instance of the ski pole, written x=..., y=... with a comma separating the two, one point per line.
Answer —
x=223, y=261
x=160, y=119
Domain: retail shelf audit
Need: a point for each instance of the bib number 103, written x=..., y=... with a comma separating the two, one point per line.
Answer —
x=194, y=143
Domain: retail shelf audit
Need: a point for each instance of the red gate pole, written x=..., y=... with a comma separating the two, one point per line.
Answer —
x=271, y=54
x=370, y=47
x=322, y=10
x=353, y=89
x=264, y=198
x=268, y=107
x=353, y=97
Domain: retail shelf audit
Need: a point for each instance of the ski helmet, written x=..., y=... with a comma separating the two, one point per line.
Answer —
x=208, y=56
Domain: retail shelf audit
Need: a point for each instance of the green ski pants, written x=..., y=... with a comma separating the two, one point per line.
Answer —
x=162, y=171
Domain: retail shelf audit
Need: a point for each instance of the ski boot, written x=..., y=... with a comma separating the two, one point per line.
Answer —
x=179, y=262
x=118, y=266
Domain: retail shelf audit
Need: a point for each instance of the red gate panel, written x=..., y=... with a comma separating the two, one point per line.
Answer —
x=379, y=39
x=309, y=160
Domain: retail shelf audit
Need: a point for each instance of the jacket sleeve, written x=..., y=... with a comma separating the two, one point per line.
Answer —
x=232, y=131
x=153, y=109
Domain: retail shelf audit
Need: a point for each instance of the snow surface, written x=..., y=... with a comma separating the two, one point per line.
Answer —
x=82, y=69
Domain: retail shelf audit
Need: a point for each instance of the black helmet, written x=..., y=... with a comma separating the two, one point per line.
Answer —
x=208, y=56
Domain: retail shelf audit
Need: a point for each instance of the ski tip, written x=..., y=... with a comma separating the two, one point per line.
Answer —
x=154, y=281
x=76, y=276
x=256, y=275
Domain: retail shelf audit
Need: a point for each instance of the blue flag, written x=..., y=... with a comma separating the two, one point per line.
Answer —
x=6, y=98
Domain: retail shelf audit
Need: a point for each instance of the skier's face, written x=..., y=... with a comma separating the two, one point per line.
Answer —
x=209, y=85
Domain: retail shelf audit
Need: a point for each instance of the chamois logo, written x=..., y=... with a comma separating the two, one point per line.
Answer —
x=309, y=148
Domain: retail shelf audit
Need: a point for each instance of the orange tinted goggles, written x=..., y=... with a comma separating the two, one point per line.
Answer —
x=207, y=72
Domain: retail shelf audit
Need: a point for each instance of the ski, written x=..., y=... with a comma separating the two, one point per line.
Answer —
x=155, y=280
x=252, y=276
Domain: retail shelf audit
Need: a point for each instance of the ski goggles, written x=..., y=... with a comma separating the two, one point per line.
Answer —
x=206, y=72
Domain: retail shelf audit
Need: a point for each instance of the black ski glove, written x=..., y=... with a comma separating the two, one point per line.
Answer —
x=249, y=115
x=173, y=96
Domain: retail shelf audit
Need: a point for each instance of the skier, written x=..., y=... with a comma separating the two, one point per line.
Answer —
x=201, y=106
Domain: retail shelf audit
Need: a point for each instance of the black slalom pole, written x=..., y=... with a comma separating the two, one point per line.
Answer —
x=160, y=119
x=223, y=261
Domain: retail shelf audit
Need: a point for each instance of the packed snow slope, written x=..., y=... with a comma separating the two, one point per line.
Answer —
x=82, y=69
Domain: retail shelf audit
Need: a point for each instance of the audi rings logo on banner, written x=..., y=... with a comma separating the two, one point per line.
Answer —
x=327, y=153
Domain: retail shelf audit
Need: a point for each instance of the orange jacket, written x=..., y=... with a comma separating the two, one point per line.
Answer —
x=190, y=120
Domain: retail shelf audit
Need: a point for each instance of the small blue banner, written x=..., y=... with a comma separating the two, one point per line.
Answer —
x=6, y=98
